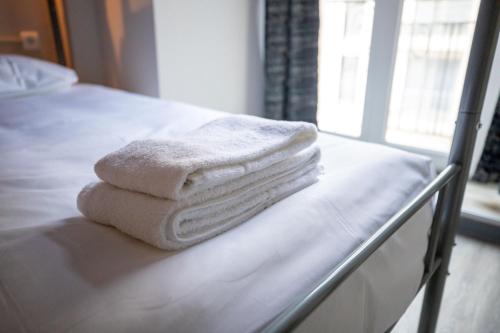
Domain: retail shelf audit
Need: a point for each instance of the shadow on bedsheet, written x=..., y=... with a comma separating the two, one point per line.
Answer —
x=79, y=268
x=99, y=254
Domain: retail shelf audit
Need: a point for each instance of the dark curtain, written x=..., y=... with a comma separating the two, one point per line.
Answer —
x=292, y=28
x=488, y=169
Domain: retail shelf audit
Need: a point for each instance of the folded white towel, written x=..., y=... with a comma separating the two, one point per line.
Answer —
x=222, y=150
x=170, y=224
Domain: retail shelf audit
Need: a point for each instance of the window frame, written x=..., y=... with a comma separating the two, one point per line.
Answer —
x=381, y=65
x=383, y=52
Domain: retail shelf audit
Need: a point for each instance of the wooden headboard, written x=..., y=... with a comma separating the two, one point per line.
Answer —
x=35, y=28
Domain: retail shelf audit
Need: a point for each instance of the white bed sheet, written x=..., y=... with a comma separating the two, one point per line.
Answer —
x=60, y=272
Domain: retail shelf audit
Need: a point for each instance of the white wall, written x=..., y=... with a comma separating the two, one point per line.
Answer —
x=113, y=43
x=84, y=33
x=210, y=53
x=207, y=53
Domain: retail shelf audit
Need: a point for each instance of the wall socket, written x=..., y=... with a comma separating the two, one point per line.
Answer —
x=30, y=40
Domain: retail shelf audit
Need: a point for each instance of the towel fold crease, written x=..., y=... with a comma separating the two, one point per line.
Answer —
x=216, y=153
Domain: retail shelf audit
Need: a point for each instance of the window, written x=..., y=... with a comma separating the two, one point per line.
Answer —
x=343, y=59
x=394, y=73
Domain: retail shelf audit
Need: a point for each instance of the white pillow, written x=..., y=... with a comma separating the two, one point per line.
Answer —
x=21, y=76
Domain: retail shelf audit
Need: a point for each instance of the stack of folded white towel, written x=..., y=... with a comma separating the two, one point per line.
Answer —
x=177, y=192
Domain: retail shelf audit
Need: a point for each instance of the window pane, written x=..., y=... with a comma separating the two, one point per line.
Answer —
x=348, y=72
x=345, y=34
x=433, y=50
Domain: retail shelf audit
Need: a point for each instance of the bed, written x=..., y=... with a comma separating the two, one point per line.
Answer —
x=60, y=271
x=347, y=254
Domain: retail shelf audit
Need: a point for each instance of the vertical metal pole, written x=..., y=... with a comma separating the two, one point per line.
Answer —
x=476, y=78
x=435, y=232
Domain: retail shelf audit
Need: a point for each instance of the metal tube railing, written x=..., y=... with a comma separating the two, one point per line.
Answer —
x=298, y=311
x=476, y=80
x=435, y=233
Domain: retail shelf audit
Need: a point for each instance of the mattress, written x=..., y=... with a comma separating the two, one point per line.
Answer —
x=61, y=272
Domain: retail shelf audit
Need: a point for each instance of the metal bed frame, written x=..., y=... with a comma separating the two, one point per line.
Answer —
x=450, y=184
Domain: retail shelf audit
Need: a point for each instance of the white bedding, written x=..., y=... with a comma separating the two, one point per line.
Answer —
x=59, y=272
x=22, y=76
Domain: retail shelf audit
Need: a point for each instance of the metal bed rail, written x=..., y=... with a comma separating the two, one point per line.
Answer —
x=450, y=183
x=297, y=312
x=483, y=47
